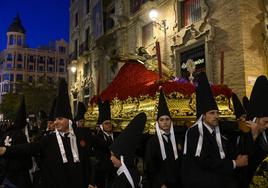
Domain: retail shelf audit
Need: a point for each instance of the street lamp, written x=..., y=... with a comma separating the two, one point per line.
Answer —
x=153, y=14
x=73, y=69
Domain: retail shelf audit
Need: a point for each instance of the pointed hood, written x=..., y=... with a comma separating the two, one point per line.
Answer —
x=238, y=108
x=204, y=97
x=127, y=142
x=63, y=108
x=104, y=111
x=42, y=115
x=162, y=105
x=20, y=120
x=52, y=110
x=245, y=103
x=81, y=110
x=258, y=99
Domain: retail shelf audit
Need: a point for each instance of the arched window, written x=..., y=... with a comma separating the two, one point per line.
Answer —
x=19, y=41
x=11, y=40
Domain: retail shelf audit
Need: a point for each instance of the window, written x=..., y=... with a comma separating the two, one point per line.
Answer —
x=61, y=62
x=6, y=88
x=75, y=48
x=135, y=5
x=11, y=77
x=51, y=61
x=41, y=60
x=191, y=11
x=61, y=69
x=19, y=57
x=30, y=78
x=41, y=68
x=109, y=10
x=147, y=34
x=19, y=41
x=50, y=69
x=11, y=39
x=86, y=39
x=9, y=66
x=19, y=66
x=31, y=58
x=19, y=77
x=9, y=57
x=6, y=77
x=62, y=49
x=76, y=19
x=87, y=6
x=31, y=67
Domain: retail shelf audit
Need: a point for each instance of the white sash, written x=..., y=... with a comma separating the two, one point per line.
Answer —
x=112, y=136
x=172, y=139
x=123, y=169
x=73, y=143
x=199, y=123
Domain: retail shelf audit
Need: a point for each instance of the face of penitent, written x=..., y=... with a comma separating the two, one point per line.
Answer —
x=116, y=162
x=107, y=126
x=62, y=124
x=211, y=118
x=164, y=123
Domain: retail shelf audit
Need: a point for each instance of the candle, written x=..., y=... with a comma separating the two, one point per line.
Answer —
x=222, y=67
x=158, y=55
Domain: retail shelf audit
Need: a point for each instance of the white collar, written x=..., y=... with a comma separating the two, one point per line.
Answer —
x=120, y=170
x=211, y=130
x=161, y=143
x=73, y=144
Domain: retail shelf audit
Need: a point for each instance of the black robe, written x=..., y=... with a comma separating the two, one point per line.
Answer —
x=122, y=182
x=159, y=172
x=105, y=170
x=55, y=173
x=257, y=152
x=17, y=169
x=208, y=170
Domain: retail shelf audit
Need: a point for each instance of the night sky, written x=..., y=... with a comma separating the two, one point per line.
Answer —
x=43, y=20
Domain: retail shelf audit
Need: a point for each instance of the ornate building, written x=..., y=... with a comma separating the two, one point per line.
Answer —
x=227, y=39
x=18, y=63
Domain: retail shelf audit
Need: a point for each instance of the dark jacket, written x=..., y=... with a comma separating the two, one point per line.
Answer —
x=159, y=172
x=208, y=170
x=55, y=173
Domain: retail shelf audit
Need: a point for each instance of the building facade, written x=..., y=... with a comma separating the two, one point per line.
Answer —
x=30, y=65
x=227, y=39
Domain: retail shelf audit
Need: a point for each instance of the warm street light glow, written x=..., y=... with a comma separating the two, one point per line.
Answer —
x=153, y=14
x=73, y=69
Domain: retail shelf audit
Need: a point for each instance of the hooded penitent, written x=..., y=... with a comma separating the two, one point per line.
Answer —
x=52, y=110
x=204, y=97
x=162, y=105
x=163, y=110
x=126, y=143
x=204, y=102
x=63, y=108
x=20, y=120
x=104, y=111
x=238, y=107
x=81, y=110
x=245, y=103
x=258, y=99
